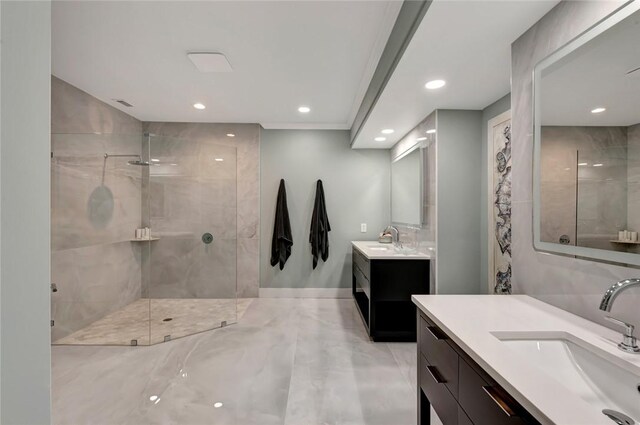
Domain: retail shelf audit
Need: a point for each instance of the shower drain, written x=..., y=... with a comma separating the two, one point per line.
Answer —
x=168, y=319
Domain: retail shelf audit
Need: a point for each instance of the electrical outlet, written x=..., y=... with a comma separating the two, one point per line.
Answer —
x=363, y=227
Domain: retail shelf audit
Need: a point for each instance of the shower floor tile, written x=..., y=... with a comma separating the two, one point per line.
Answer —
x=149, y=321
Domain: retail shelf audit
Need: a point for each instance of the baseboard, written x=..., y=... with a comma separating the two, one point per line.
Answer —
x=305, y=292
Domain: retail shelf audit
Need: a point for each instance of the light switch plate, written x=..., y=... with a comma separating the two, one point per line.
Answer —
x=363, y=227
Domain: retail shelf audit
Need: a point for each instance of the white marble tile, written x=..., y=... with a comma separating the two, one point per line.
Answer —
x=287, y=361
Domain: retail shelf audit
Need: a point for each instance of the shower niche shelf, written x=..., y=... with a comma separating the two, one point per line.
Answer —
x=625, y=242
x=144, y=239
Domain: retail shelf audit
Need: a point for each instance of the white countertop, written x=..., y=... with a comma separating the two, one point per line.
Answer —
x=469, y=321
x=375, y=250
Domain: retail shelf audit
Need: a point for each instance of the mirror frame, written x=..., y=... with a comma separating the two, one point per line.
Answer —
x=609, y=21
x=417, y=146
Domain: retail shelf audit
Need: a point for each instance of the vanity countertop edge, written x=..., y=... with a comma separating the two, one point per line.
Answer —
x=545, y=398
x=361, y=246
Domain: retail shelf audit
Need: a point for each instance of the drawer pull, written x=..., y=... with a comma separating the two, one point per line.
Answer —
x=435, y=375
x=436, y=333
x=497, y=399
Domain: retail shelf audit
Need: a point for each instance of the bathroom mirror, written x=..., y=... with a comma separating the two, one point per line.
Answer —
x=406, y=188
x=587, y=143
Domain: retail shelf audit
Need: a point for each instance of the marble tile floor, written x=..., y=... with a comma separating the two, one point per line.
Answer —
x=287, y=362
x=144, y=321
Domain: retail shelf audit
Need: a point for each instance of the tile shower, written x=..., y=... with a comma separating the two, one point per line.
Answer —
x=150, y=291
x=112, y=289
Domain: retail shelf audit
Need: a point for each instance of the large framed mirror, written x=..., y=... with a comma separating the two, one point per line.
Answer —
x=587, y=143
x=407, y=188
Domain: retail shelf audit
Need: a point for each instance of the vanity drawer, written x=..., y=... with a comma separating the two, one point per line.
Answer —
x=362, y=262
x=362, y=282
x=435, y=347
x=433, y=385
x=484, y=401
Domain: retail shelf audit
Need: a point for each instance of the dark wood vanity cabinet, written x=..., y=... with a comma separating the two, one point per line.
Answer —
x=459, y=390
x=382, y=290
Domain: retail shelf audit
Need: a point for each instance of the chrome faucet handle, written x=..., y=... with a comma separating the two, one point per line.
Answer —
x=629, y=343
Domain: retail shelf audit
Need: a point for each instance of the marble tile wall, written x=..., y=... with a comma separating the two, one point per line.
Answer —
x=95, y=207
x=587, y=203
x=633, y=177
x=199, y=270
x=575, y=285
x=191, y=194
x=93, y=282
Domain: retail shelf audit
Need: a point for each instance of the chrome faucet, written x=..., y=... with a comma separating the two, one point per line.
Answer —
x=395, y=234
x=629, y=343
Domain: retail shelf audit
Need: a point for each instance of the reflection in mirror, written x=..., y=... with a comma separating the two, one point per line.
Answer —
x=406, y=198
x=588, y=136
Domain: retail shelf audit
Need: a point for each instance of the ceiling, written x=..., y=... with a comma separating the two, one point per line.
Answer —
x=595, y=75
x=466, y=43
x=283, y=54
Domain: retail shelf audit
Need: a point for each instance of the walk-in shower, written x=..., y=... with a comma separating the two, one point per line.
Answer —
x=116, y=289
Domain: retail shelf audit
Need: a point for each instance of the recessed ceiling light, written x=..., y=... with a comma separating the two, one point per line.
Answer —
x=219, y=159
x=431, y=131
x=380, y=139
x=199, y=106
x=304, y=109
x=597, y=165
x=231, y=135
x=583, y=163
x=598, y=110
x=387, y=131
x=435, y=84
x=155, y=160
x=217, y=404
x=153, y=398
x=420, y=139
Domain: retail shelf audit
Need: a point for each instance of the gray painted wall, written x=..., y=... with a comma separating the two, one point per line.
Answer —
x=572, y=284
x=25, y=356
x=498, y=107
x=356, y=184
x=458, y=148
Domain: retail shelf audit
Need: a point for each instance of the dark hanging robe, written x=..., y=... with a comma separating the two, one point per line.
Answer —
x=320, y=227
x=282, y=240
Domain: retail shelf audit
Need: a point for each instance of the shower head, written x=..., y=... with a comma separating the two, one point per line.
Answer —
x=140, y=163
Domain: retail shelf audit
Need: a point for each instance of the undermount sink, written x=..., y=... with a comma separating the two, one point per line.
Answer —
x=378, y=248
x=392, y=248
x=601, y=379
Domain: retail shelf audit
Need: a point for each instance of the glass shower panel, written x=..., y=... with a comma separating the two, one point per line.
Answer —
x=189, y=194
x=95, y=263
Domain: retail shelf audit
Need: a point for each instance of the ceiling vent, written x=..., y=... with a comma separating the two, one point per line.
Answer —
x=210, y=61
x=123, y=102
